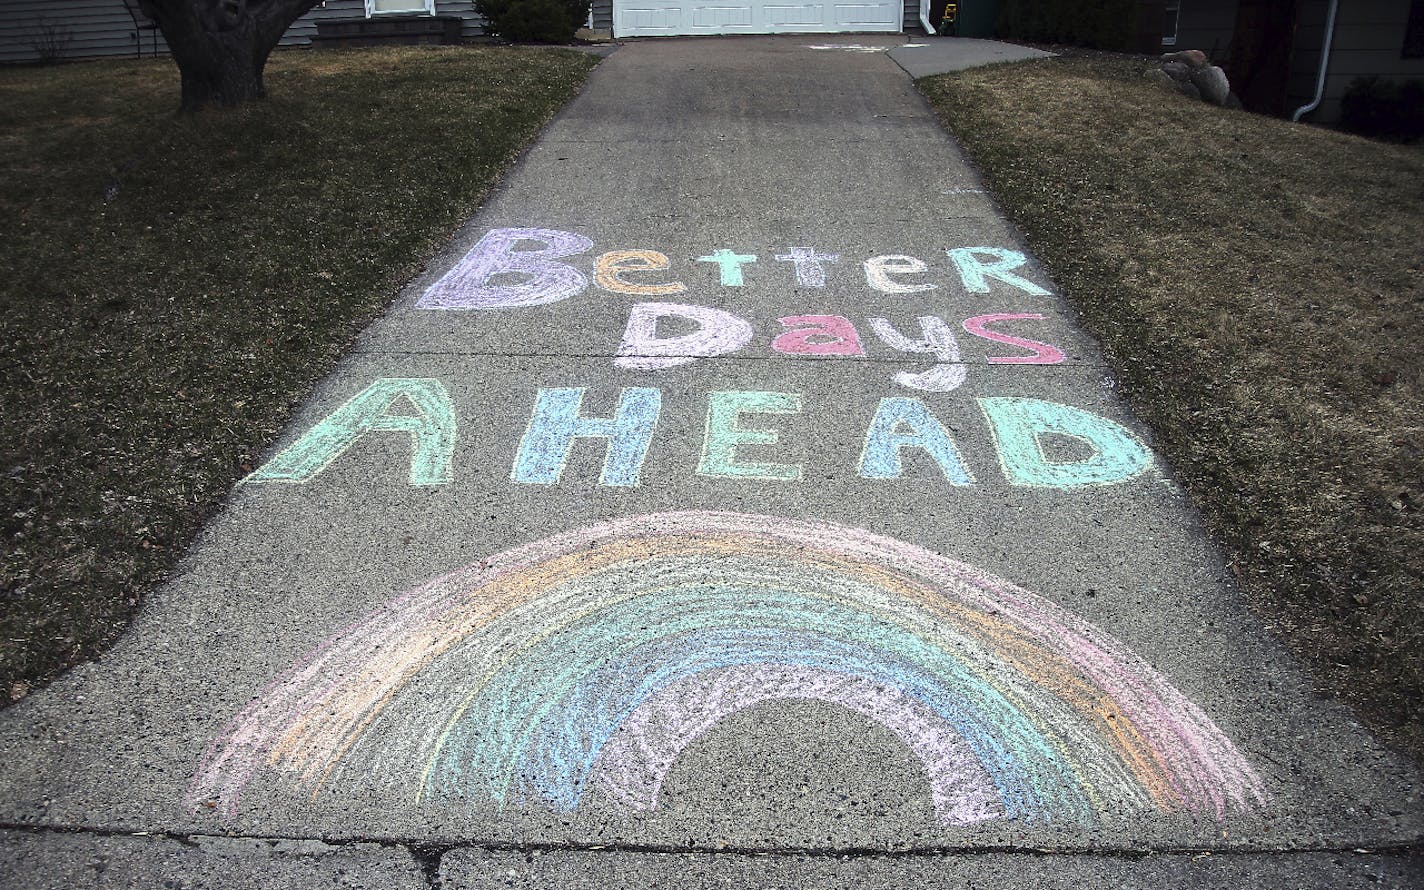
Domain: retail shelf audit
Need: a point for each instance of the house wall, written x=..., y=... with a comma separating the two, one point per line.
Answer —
x=99, y=28
x=1206, y=25
x=1369, y=35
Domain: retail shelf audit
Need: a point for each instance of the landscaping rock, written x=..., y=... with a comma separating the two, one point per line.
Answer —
x=1189, y=90
x=1192, y=58
x=1160, y=77
x=1212, y=82
x=1178, y=71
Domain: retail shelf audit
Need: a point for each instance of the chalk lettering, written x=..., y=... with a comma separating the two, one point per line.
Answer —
x=1019, y=426
x=818, y=335
x=724, y=434
x=884, y=440
x=610, y=268
x=467, y=285
x=432, y=431
x=717, y=332
x=1043, y=353
x=879, y=269
x=729, y=264
x=808, y=265
x=556, y=424
x=975, y=273
x=936, y=338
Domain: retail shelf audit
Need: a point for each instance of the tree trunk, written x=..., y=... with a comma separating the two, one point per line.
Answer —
x=226, y=70
x=221, y=46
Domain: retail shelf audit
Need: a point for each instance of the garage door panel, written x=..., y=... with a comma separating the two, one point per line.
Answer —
x=713, y=17
x=668, y=18
x=868, y=14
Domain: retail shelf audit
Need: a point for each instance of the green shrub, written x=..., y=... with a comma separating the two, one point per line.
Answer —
x=1100, y=24
x=533, y=21
x=1389, y=109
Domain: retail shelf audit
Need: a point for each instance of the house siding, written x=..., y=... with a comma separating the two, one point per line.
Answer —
x=98, y=28
x=1369, y=35
x=603, y=15
x=1206, y=25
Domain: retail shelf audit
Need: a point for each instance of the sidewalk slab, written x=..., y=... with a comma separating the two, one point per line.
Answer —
x=810, y=599
x=80, y=861
x=941, y=55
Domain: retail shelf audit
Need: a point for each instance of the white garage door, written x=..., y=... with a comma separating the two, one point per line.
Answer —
x=665, y=18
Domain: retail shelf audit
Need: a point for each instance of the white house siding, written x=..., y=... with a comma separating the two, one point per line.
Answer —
x=97, y=28
x=1369, y=35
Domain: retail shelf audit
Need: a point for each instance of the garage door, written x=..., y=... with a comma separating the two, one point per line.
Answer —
x=666, y=18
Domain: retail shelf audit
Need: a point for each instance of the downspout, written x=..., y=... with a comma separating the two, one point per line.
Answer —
x=1324, y=64
x=930, y=30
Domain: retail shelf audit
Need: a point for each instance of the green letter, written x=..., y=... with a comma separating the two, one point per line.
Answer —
x=431, y=428
x=1019, y=424
x=725, y=433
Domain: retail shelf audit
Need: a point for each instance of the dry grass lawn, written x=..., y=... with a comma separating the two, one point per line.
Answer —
x=1260, y=288
x=173, y=285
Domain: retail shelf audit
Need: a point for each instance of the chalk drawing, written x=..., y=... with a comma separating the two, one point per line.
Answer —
x=809, y=265
x=432, y=431
x=1019, y=425
x=975, y=273
x=724, y=434
x=818, y=335
x=717, y=333
x=729, y=265
x=610, y=268
x=556, y=424
x=847, y=47
x=582, y=666
x=1043, y=353
x=878, y=270
x=884, y=440
x=542, y=280
x=936, y=338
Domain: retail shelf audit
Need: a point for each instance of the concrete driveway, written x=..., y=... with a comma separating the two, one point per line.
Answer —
x=734, y=503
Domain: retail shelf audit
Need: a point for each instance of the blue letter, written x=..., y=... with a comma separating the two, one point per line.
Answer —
x=880, y=459
x=556, y=423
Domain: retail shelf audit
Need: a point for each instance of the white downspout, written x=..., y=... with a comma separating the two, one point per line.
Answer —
x=930, y=30
x=1324, y=64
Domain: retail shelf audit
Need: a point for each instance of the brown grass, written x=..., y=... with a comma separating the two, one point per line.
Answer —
x=173, y=285
x=1259, y=287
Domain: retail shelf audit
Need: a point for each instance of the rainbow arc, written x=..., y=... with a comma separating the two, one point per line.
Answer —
x=583, y=665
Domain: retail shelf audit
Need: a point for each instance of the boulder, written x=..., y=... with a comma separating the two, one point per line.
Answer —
x=1192, y=58
x=1212, y=82
x=1160, y=77
x=1179, y=71
x=1189, y=90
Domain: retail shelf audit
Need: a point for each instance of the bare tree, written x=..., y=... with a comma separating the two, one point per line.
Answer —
x=221, y=46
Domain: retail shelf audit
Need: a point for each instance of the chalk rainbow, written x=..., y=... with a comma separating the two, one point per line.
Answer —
x=584, y=664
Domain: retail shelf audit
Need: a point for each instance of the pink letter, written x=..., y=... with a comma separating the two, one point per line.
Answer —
x=821, y=335
x=1043, y=354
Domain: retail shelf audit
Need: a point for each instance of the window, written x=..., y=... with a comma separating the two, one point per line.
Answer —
x=1169, y=27
x=385, y=7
